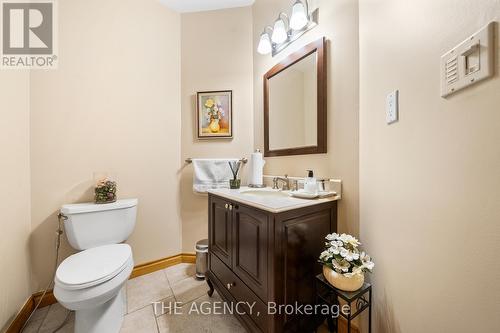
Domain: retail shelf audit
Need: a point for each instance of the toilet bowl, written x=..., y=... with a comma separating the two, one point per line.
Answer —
x=91, y=282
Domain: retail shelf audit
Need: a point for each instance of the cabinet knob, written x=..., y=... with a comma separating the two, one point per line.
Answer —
x=230, y=207
x=226, y=205
x=230, y=285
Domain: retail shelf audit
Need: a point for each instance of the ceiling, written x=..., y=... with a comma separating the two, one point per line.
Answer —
x=185, y=6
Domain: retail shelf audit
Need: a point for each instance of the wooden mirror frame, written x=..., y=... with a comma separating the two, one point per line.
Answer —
x=319, y=47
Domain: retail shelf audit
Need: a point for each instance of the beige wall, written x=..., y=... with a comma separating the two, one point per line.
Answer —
x=216, y=55
x=112, y=105
x=14, y=194
x=339, y=24
x=430, y=183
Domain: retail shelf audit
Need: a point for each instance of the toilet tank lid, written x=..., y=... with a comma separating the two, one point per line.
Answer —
x=90, y=207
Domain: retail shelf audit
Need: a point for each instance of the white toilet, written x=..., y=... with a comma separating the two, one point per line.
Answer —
x=91, y=281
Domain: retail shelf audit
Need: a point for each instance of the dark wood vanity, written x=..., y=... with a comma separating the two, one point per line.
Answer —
x=258, y=256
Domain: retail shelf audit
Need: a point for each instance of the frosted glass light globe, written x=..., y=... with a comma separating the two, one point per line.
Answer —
x=279, y=32
x=265, y=46
x=299, y=16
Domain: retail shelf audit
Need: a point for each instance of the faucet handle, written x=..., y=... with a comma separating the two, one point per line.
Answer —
x=275, y=183
x=286, y=184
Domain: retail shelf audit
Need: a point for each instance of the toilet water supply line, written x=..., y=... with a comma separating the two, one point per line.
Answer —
x=60, y=217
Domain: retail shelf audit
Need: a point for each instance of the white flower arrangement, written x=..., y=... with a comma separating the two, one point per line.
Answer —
x=343, y=256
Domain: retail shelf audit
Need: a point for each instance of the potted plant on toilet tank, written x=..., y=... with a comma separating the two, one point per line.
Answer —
x=344, y=266
x=105, y=191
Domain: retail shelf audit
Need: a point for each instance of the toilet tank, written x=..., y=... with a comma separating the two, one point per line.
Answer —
x=89, y=225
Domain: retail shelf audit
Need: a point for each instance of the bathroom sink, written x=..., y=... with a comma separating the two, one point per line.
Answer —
x=274, y=201
x=266, y=193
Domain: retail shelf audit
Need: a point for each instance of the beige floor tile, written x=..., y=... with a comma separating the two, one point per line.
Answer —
x=169, y=323
x=68, y=328
x=125, y=302
x=214, y=298
x=144, y=290
x=180, y=272
x=33, y=325
x=166, y=305
x=55, y=317
x=40, y=313
x=191, y=320
x=220, y=323
x=36, y=320
x=226, y=324
x=189, y=289
x=140, y=321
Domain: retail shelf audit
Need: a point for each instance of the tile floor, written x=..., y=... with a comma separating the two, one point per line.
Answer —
x=173, y=284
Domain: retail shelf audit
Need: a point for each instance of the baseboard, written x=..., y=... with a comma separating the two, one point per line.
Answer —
x=138, y=270
x=47, y=299
x=188, y=258
x=156, y=265
x=21, y=317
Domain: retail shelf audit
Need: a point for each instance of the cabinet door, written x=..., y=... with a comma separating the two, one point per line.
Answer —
x=301, y=240
x=220, y=230
x=250, y=233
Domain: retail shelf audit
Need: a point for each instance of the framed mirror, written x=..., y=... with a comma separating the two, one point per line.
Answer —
x=295, y=108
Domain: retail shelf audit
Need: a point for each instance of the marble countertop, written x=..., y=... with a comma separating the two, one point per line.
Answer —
x=274, y=201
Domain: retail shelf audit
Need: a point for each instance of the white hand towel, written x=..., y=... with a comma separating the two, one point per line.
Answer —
x=211, y=174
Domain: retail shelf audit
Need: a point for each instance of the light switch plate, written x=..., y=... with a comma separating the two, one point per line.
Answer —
x=392, y=107
x=470, y=62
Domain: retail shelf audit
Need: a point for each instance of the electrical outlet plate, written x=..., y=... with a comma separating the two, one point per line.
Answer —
x=392, y=107
x=470, y=62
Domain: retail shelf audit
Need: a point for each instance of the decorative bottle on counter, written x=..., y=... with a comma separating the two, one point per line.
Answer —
x=310, y=184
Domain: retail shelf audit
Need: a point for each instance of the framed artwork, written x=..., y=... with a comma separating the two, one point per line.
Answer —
x=214, y=114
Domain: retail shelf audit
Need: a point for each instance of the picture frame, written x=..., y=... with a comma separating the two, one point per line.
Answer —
x=214, y=114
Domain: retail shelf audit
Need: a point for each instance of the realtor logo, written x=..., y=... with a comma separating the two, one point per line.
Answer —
x=28, y=34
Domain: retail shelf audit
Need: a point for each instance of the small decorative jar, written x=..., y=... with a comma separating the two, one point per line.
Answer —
x=234, y=184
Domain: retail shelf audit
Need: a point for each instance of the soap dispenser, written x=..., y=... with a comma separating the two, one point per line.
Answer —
x=310, y=184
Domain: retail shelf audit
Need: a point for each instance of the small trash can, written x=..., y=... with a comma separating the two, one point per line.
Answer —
x=201, y=258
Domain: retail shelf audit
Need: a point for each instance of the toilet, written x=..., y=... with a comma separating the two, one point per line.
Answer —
x=91, y=281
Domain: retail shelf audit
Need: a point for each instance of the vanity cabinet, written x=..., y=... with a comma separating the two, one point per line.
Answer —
x=257, y=256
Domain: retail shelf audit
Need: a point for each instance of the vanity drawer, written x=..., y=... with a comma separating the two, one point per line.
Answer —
x=240, y=292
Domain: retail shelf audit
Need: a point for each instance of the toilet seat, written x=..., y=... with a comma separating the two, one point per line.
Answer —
x=93, y=266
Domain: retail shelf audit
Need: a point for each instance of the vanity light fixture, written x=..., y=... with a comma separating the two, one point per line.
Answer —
x=300, y=15
x=280, y=29
x=265, y=45
x=286, y=30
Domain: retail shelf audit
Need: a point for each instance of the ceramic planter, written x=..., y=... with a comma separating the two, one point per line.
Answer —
x=341, y=282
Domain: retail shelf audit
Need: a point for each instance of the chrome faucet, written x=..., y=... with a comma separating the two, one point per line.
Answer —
x=285, y=181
